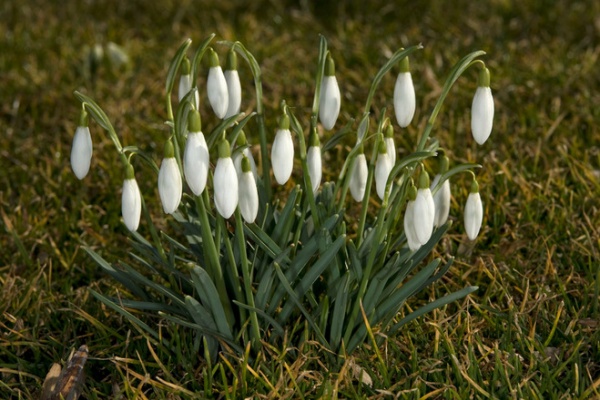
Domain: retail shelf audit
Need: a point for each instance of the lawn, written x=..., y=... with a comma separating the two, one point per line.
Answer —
x=530, y=331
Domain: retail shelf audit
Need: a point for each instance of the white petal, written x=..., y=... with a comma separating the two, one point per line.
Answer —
x=358, y=178
x=218, y=96
x=482, y=114
x=424, y=215
x=234, y=90
x=315, y=168
x=248, y=197
x=131, y=204
x=237, y=161
x=382, y=172
x=329, y=102
x=226, y=187
x=441, y=199
x=391, y=149
x=81, y=152
x=196, y=162
x=404, y=99
x=185, y=85
x=409, y=227
x=282, y=155
x=473, y=215
x=169, y=185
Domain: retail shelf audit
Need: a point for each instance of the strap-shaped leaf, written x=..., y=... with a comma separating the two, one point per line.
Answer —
x=133, y=274
x=203, y=318
x=174, y=66
x=339, y=312
x=278, y=328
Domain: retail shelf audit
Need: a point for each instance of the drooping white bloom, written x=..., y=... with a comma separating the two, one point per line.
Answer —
x=169, y=181
x=216, y=85
x=424, y=210
x=473, y=215
x=383, y=167
x=237, y=159
x=195, y=156
x=248, y=193
x=404, y=95
x=225, y=182
x=185, y=82
x=358, y=178
x=234, y=88
x=409, y=227
x=482, y=109
x=330, y=98
x=81, y=152
x=131, y=201
x=315, y=169
x=441, y=199
x=389, y=144
x=282, y=152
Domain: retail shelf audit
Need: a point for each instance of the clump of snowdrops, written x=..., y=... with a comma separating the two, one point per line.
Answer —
x=254, y=264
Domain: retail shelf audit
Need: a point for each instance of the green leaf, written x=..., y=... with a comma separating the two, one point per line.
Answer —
x=203, y=318
x=278, y=328
x=174, y=66
x=339, y=312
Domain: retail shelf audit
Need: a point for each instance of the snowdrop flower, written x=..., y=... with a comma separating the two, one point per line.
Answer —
x=330, y=97
x=282, y=152
x=404, y=95
x=237, y=160
x=389, y=143
x=424, y=213
x=441, y=198
x=185, y=82
x=169, y=181
x=363, y=128
x=131, y=201
x=216, y=85
x=81, y=152
x=195, y=156
x=409, y=221
x=225, y=182
x=473, y=212
x=313, y=160
x=358, y=178
x=482, y=110
x=383, y=167
x=234, y=88
x=248, y=193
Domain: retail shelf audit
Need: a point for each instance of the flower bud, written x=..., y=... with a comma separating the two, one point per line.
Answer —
x=389, y=143
x=248, y=193
x=225, y=182
x=131, y=201
x=234, y=88
x=282, y=152
x=473, y=212
x=195, y=156
x=482, y=109
x=383, y=167
x=237, y=159
x=169, y=181
x=185, y=82
x=424, y=209
x=409, y=221
x=404, y=95
x=330, y=97
x=442, y=197
x=313, y=160
x=81, y=152
x=216, y=85
x=358, y=178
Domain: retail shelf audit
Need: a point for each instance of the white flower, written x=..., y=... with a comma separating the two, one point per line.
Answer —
x=237, y=161
x=441, y=199
x=391, y=149
x=315, y=170
x=248, y=194
x=358, y=178
x=404, y=99
x=473, y=215
x=382, y=172
x=131, y=202
x=234, y=90
x=226, y=186
x=424, y=215
x=282, y=153
x=196, y=162
x=169, y=181
x=409, y=227
x=185, y=85
x=81, y=152
x=216, y=85
x=482, y=109
x=330, y=98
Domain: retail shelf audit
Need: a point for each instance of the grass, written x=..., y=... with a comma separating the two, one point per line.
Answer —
x=531, y=331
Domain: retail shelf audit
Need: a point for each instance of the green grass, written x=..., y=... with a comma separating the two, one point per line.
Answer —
x=531, y=331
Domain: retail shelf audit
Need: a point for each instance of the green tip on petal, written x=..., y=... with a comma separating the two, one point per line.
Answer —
x=412, y=192
x=242, y=141
x=404, y=65
x=129, y=174
x=231, y=60
x=185, y=66
x=474, y=186
x=83, y=118
x=389, y=131
x=484, y=77
x=444, y=163
x=284, y=122
x=423, y=179
x=329, y=66
x=224, y=149
x=313, y=139
x=169, y=149
x=246, y=164
x=213, y=58
x=382, y=149
x=194, y=124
